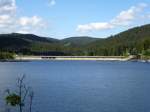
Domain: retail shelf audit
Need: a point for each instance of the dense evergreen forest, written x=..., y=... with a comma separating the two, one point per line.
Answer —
x=135, y=41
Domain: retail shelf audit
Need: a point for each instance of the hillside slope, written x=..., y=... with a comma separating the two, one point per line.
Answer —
x=27, y=43
x=78, y=41
x=133, y=41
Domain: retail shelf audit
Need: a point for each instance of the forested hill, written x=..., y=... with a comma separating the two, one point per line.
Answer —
x=78, y=41
x=132, y=41
x=36, y=45
x=28, y=37
x=26, y=43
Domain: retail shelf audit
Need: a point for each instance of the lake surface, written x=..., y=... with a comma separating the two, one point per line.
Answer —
x=82, y=86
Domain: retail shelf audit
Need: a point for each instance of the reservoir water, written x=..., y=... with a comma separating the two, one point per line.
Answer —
x=82, y=86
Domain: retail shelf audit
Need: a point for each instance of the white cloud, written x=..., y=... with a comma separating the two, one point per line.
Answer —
x=52, y=2
x=94, y=26
x=4, y=19
x=7, y=14
x=33, y=21
x=28, y=24
x=122, y=19
x=23, y=32
x=126, y=17
x=9, y=22
x=7, y=6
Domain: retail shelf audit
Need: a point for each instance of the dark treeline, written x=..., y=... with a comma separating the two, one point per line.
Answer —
x=131, y=42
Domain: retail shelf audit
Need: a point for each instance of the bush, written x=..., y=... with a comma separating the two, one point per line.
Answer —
x=147, y=52
x=13, y=99
x=6, y=55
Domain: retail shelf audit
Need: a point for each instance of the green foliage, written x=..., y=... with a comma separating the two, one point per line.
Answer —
x=6, y=55
x=147, y=52
x=13, y=99
x=126, y=53
x=78, y=41
x=134, y=40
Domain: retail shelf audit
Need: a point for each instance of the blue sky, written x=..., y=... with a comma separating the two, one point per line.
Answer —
x=65, y=18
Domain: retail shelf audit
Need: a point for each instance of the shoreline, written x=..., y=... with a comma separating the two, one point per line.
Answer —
x=86, y=58
x=73, y=58
x=78, y=58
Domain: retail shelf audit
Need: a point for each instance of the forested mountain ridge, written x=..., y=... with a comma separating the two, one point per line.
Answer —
x=132, y=41
x=29, y=37
x=29, y=43
x=26, y=43
x=130, y=36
